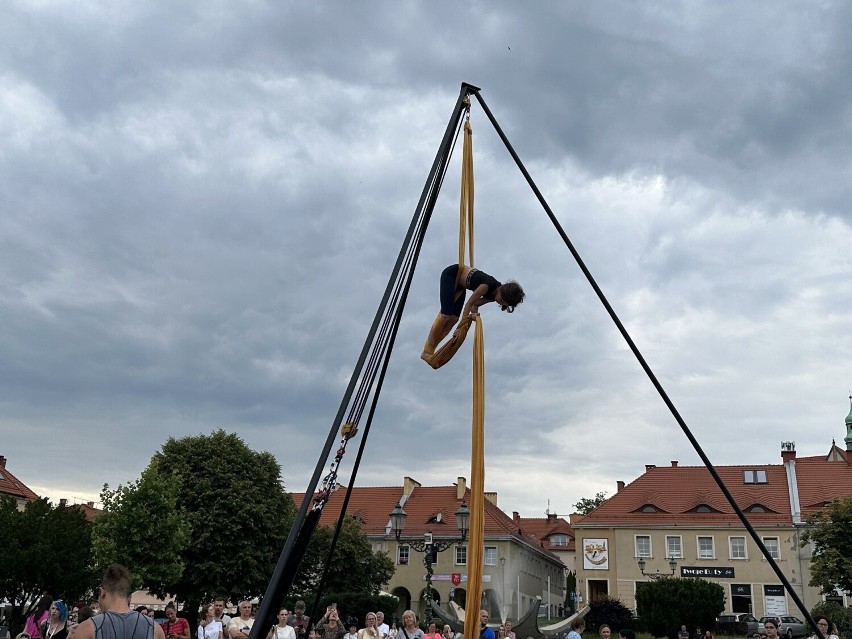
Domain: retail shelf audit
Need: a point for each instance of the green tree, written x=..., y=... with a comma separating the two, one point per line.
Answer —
x=142, y=528
x=570, y=591
x=665, y=604
x=236, y=511
x=610, y=611
x=587, y=505
x=839, y=616
x=831, y=564
x=43, y=549
x=355, y=567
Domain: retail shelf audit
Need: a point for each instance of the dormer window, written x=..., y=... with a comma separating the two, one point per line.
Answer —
x=558, y=540
x=758, y=508
x=756, y=476
x=649, y=508
x=704, y=508
x=437, y=518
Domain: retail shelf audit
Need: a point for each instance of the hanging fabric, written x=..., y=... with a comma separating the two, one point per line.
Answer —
x=476, y=533
x=445, y=353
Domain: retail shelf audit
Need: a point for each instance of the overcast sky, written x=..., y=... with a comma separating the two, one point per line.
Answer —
x=202, y=203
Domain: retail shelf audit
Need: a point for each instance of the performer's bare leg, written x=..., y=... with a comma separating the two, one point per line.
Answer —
x=441, y=327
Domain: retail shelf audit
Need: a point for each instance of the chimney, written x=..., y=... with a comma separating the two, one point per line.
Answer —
x=492, y=497
x=516, y=518
x=90, y=504
x=2, y=462
x=619, y=486
x=788, y=451
x=461, y=487
x=674, y=463
x=63, y=503
x=649, y=467
x=408, y=486
x=551, y=518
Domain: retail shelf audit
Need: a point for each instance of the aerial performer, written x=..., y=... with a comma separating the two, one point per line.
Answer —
x=454, y=285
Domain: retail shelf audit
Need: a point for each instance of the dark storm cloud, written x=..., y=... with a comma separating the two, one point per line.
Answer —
x=202, y=204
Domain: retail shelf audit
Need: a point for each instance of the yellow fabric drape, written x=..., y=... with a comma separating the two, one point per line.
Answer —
x=476, y=535
x=466, y=200
x=476, y=531
x=445, y=353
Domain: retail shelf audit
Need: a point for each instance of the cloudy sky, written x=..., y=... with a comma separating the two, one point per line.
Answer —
x=202, y=203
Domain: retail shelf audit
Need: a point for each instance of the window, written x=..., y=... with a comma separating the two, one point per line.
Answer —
x=402, y=555
x=772, y=546
x=461, y=555
x=754, y=477
x=741, y=603
x=643, y=546
x=737, y=547
x=674, y=549
x=705, y=548
x=558, y=540
x=490, y=557
x=650, y=509
x=703, y=509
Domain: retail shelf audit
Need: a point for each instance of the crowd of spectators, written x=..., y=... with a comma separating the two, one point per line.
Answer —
x=56, y=620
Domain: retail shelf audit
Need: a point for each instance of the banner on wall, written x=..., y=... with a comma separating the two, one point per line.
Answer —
x=774, y=601
x=596, y=554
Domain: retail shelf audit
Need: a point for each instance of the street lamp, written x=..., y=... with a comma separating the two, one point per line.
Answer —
x=657, y=575
x=429, y=546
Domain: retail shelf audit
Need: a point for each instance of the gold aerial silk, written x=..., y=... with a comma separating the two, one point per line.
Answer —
x=476, y=535
x=476, y=532
x=446, y=352
x=466, y=201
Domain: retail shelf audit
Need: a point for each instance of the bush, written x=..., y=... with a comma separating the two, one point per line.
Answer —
x=839, y=616
x=665, y=604
x=610, y=611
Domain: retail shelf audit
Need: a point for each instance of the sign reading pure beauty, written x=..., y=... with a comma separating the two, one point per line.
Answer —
x=722, y=572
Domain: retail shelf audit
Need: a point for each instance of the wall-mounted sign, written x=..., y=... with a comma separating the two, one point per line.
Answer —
x=775, y=602
x=722, y=572
x=596, y=554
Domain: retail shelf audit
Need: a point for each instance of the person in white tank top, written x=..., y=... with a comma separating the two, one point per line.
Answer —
x=282, y=630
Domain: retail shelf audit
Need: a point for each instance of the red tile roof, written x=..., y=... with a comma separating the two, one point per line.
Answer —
x=373, y=506
x=543, y=527
x=89, y=510
x=11, y=485
x=821, y=480
x=676, y=491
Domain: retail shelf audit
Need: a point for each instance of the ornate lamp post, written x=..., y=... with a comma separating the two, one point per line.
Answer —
x=657, y=575
x=429, y=546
